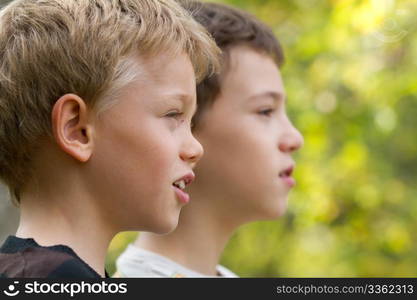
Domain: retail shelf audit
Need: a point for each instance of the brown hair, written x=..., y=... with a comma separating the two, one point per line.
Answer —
x=49, y=48
x=229, y=27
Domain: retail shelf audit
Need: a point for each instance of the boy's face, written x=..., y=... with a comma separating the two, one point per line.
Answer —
x=143, y=144
x=248, y=141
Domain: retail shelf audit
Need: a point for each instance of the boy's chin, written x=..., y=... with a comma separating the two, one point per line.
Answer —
x=166, y=226
x=275, y=210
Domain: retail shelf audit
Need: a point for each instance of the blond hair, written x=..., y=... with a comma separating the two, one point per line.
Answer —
x=49, y=48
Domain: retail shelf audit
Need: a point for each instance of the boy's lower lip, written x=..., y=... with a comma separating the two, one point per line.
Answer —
x=288, y=181
x=182, y=196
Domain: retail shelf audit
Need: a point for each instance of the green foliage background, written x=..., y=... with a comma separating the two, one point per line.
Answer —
x=351, y=79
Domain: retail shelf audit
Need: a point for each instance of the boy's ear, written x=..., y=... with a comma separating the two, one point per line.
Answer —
x=71, y=127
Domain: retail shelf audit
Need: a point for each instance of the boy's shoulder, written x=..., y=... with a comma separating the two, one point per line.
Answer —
x=24, y=258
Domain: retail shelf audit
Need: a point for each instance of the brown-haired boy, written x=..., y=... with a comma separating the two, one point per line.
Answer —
x=245, y=174
x=96, y=100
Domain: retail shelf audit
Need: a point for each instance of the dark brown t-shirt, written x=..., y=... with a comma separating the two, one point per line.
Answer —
x=24, y=258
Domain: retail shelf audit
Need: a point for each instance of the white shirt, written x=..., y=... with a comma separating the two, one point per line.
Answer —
x=138, y=262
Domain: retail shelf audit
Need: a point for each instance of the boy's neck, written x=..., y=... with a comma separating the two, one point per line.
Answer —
x=198, y=241
x=62, y=221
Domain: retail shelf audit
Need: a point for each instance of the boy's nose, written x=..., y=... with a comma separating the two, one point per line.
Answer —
x=291, y=140
x=192, y=151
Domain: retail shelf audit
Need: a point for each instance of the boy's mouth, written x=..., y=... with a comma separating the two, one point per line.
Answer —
x=287, y=172
x=184, y=181
x=179, y=186
x=285, y=175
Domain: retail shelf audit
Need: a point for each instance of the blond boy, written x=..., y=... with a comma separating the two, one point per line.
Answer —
x=96, y=100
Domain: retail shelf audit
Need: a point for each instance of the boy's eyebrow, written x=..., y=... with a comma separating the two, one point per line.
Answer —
x=276, y=96
x=184, y=98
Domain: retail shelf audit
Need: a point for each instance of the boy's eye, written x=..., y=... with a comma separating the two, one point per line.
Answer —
x=174, y=114
x=176, y=117
x=266, y=112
